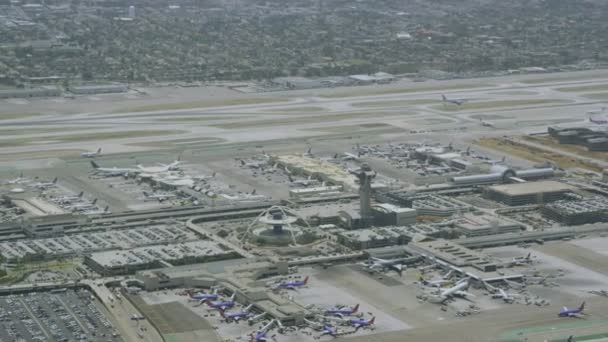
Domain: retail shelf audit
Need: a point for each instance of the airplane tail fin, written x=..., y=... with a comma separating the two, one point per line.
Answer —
x=94, y=165
x=222, y=313
x=233, y=297
x=528, y=256
x=443, y=97
x=54, y=180
x=106, y=209
x=372, y=321
x=242, y=162
x=99, y=150
x=582, y=307
x=81, y=193
x=356, y=308
x=306, y=280
x=94, y=201
x=146, y=194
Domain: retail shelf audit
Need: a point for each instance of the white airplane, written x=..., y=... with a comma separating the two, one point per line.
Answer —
x=486, y=123
x=457, y=290
x=496, y=161
x=91, y=154
x=350, y=156
x=158, y=196
x=114, y=171
x=45, y=185
x=19, y=180
x=161, y=168
x=384, y=264
x=521, y=261
x=457, y=102
x=506, y=297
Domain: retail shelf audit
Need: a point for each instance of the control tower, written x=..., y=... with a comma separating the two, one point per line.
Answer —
x=365, y=175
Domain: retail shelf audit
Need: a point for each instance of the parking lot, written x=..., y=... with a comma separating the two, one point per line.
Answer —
x=70, y=315
x=83, y=243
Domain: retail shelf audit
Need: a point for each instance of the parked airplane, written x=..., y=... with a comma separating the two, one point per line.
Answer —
x=350, y=156
x=360, y=323
x=252, y=165
x=520, y=261
x=203, y=297
x=68, y=199
x=329, y=330
x=18, y=180
x=113, y=171
x=496, y=161
x=578, y=312
x=384, y=264
x=260, y=335
x=91, y=154
x=237, y=316
x=457, y=102
x=137, y=317
x=45, y=185
x=158, y=196
x=457, y=290
x=161, y=168
x=292, y=284
x=342, y=311
x=223, y=305
x=506, y=297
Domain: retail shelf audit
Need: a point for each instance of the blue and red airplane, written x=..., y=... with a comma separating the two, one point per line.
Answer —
x=360, y=323
x=292, y=284
x=203, y=297
x=260, y=335
x=341, y=312
x=236, y=316
x=329, y=330
x=223, y=305
x=578, y=312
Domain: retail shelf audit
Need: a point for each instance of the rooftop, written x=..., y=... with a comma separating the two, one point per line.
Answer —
x=531, y=188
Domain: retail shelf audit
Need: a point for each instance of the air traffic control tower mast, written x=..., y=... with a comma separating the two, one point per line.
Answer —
x=365, y=175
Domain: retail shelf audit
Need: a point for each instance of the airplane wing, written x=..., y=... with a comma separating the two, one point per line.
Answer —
x=565, y=308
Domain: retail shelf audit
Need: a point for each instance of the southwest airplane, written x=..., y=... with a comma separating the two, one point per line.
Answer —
x=203, y=297
x=329, y=330
x=260, y=335
x=292, y=284
x=341, y=312
x=360, y=323
x=572, y=312
x=236, y=316
x=223, y=305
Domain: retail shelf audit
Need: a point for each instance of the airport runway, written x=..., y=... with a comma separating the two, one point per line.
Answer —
x=506, y=103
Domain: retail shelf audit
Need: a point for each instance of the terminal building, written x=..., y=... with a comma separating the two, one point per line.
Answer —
x=528, y=193
x=455, y=254
x=473, y=224
x=374, y=237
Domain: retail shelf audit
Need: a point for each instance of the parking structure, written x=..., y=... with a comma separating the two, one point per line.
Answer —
x=66, y=315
